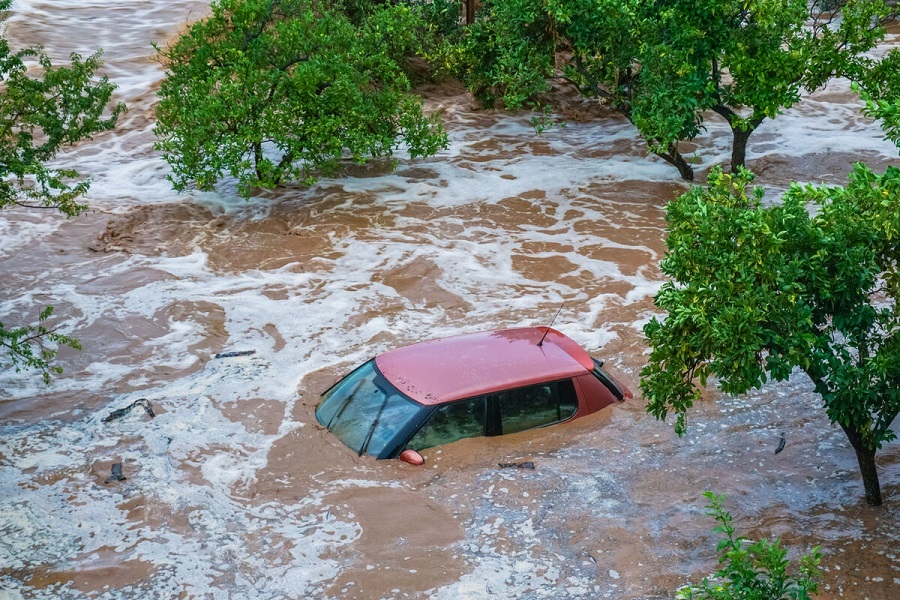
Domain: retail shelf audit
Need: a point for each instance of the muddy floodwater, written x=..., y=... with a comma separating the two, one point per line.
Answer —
x=232, y=491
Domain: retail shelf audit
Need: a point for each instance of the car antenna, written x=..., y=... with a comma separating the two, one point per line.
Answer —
x=553, y=320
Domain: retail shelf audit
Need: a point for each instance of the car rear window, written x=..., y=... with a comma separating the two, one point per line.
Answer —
x=365, y=411
x=607, y=380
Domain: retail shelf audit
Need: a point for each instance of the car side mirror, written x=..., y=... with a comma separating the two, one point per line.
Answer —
x=412, y=457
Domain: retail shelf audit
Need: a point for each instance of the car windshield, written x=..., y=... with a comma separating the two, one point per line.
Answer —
x=365, y=411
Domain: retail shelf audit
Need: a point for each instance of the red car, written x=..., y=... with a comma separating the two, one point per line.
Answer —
x=488, y=383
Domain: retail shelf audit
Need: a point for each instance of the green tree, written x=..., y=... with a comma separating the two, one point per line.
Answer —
x=44, y=109
x=752, y=570
x=810, y=283
x=666, y=64
x=273, y=90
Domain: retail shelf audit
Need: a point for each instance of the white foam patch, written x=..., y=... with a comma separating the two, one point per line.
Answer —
x=51, y=528
x=498, y=575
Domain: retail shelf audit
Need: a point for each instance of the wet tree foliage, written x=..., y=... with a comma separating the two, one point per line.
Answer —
x=666, y=65
x=884, y=107
x=269, y=91
x=757, y=291
x=44, y=109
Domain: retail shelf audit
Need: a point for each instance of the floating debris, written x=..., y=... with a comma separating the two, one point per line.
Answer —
x=116, y=473
x=121, y=412
x=780, y=444
x=233, y=354
x=521, y=465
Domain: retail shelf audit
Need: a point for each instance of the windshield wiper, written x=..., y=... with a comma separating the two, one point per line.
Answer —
x=365, y=445
x=347, y=399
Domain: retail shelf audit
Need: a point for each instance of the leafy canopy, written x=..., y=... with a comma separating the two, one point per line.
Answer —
x=885, y=110
x=34, y=346
x=268, y=91
x=752, y=570
x=665, y=64
x=44, y=109
x=759, y=290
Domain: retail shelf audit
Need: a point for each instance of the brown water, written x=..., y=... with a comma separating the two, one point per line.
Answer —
x=233, y=491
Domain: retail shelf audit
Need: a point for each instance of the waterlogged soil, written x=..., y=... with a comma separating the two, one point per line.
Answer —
x=231, y=489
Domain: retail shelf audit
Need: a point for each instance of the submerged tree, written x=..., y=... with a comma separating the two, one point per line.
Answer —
x=44, y=109
x=759, y=291
x=273, y=90
x=665, y=64
x=810, y=283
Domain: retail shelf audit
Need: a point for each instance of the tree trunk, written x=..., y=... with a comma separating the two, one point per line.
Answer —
x=865, y=456
x=739, y=136
x=674, y=157
x=470, y=11
x=739, y=148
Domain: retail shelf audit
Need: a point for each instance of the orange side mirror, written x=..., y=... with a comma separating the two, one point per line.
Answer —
x=412, y=457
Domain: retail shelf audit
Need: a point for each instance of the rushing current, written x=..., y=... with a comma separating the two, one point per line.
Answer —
x=233, y=491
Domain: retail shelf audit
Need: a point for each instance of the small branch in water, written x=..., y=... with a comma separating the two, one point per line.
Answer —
x=233, y=354
x=781, y=443
x=521, y=465
x=121, y=412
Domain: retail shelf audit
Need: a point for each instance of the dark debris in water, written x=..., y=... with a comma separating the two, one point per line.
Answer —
x=781, y=443
x=512, y=465
x=235, y=353
x=122, y=412
x=116, y=473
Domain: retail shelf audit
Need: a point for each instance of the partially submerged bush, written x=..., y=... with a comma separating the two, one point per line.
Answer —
x=752, y=570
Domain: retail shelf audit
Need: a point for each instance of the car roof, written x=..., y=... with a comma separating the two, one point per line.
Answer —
x=473, y=364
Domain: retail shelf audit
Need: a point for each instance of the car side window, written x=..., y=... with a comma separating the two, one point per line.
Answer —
x=536, y=406
x=451, y=422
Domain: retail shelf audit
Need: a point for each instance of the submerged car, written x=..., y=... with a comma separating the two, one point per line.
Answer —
x=478, y=384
